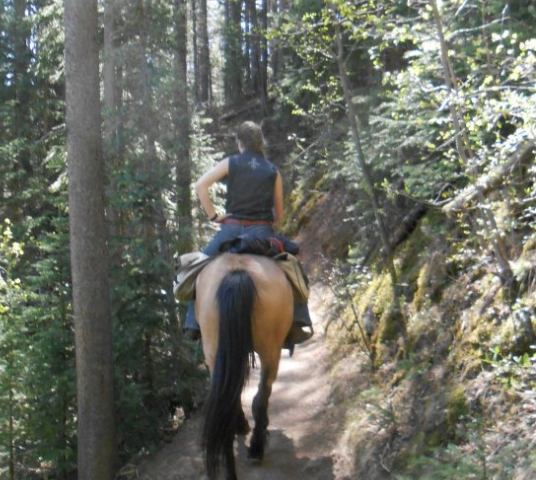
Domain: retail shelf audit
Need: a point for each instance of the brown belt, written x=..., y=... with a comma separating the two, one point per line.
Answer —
x=245, y=223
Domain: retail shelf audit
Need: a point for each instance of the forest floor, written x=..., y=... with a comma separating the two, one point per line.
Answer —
x=304, y=423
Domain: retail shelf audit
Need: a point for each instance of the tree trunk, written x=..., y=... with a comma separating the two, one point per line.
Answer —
x=89, y=256
x=276, y=47
x=248, y=48
x=195, y=50
x=11, y=436
x=465, y=153
x=21, y=61
x=352, y=117
x=257, y=51
x=182, y=128
x=109, y=69
x=205, y=94
x=367, y=177
x=181, y=120
x=264, y=57
x=157, y=233
x=233, y=57
x=111, y=116
x=3, y=48
x=255, y=46
x=451, y=82
x=486, y=37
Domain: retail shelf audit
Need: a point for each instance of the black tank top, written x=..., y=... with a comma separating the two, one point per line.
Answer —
x=250, y=187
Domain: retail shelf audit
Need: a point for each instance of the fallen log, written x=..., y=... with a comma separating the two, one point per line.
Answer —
x=488, y=182
x=408, y=225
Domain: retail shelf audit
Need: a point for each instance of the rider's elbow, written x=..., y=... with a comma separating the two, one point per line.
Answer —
x=199, y=187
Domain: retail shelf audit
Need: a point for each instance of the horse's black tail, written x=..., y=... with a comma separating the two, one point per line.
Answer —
x=236, y=297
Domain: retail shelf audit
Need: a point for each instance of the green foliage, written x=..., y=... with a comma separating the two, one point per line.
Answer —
x=204, y=155
x=470, y=459
x=416, y=102
x=37, y=365
x=514, y=372
x=451, y=463
x=380, y=413
x=146, y=382
x=392, y=56
x=11, y=341
x=38, y=378
x=449, y=267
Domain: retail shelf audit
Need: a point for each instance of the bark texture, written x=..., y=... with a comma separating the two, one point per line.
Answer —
x=89, y=256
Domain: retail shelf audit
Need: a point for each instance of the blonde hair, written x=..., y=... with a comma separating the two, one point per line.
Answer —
x=250, y=134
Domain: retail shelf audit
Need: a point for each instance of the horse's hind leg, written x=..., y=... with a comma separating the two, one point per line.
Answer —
x=242, y=425
x=260, y=412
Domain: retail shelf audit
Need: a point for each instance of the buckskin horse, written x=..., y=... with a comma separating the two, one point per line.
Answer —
x=244, y=304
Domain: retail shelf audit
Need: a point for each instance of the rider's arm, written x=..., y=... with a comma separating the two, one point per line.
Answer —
x=215, y=174
x=278, y=199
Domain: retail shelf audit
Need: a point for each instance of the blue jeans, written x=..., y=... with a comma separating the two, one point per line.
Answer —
x=226, y=232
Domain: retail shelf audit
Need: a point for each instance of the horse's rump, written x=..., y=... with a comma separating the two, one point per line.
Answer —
x=244, y=303
x=273, y=309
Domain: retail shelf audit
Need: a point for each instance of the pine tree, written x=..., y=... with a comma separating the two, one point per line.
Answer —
x=89, y=257
x=232, y=48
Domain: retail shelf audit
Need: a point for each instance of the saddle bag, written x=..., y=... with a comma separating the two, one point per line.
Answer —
x=295, y=274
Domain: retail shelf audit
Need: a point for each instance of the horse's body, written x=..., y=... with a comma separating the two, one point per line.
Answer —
x=244, y=303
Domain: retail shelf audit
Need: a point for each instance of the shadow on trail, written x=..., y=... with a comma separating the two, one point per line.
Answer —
x=303, y=428
x=183, y=460
x=281, y=462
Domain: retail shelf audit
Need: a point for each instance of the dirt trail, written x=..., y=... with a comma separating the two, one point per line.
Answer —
x=303, y=425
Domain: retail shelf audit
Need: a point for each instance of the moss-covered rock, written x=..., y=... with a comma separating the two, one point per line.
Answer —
x=456, y=406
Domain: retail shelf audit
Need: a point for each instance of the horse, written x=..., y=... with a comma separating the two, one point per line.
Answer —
x=244, y=304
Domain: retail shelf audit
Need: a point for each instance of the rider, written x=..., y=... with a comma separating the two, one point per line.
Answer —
x=254, y=204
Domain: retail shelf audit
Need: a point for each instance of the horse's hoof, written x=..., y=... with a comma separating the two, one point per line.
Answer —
x=255, y=458
x=257, y=447
x=255, y=454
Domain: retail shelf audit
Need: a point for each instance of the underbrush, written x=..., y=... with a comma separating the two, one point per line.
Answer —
x=455, y=399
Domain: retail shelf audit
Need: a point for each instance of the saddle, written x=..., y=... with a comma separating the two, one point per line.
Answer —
x=267, y=247
x=277, y=247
